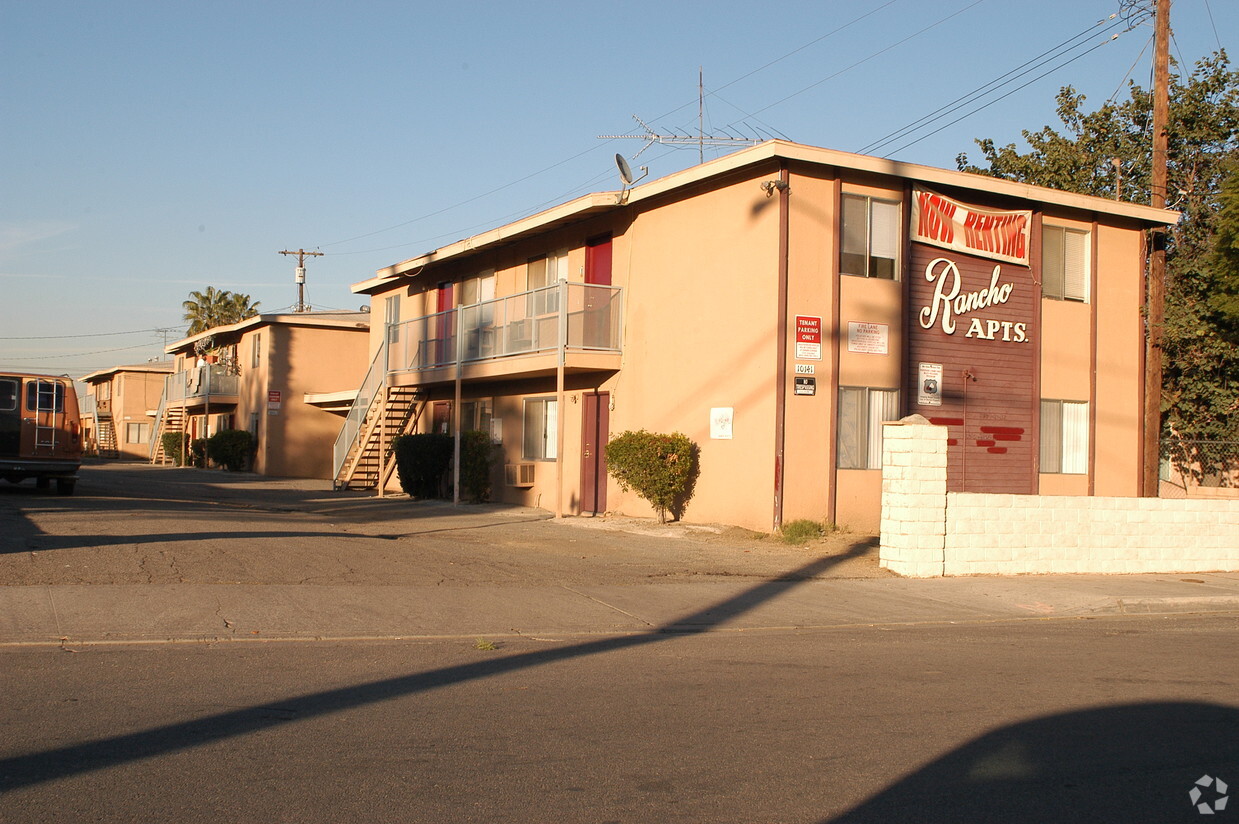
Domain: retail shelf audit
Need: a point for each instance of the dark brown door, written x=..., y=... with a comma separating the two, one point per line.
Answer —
x=594, y=452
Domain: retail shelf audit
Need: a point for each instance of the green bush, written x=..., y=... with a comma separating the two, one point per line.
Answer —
x=803, y=530
x=476, y=452
x=421, y=461
x=197, y=452
x=660, y=468
x=230, y=448
x=172, y=443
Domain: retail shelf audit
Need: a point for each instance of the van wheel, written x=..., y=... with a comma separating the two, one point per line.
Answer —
x=64, y=486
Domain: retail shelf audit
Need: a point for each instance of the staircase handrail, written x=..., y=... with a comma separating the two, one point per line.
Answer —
x=367, y=395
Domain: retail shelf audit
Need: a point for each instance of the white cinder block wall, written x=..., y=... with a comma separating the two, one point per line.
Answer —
x=928, y=532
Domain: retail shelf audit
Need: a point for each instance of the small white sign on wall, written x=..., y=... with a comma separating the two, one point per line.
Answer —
x=720, y=423
x=868, y=338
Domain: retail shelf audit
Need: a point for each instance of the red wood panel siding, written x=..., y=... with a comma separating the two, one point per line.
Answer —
x=989, y=366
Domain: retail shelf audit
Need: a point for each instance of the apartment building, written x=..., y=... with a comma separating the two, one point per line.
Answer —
x=118, y=409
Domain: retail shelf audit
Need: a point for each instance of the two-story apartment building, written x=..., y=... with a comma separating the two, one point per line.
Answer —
x=286, y=378
x=777, y=305
x=118, y=409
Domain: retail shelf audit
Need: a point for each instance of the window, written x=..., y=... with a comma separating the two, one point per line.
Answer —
x=871, y=238
x=8, y=395
x=1064, y=437
x=256, y=352
x=861, y=414
x=1064, y=263
x=544, y=271
x=478, y=320
x=475, y=415
x=45, y=396
x=541, y=427
x=253, y=430
x=391, y=317
x=137, y=433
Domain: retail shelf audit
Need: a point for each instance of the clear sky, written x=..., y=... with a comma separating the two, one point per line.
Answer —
x=151, y=148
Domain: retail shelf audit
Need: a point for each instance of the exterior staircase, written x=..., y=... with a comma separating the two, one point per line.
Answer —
x=169, y=419
x=105, y=436
x=389, y=414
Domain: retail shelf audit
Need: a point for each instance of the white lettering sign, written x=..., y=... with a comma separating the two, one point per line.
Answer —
x=949, y=302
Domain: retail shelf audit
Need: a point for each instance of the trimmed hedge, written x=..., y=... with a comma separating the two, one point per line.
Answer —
x=476, y=453
x=230, y=448
x=172, y=442
x=662, y=469
x=422, y=460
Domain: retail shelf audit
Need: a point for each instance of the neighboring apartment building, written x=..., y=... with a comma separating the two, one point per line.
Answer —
x=777, y=305
x=118, y=409
x=287, y=378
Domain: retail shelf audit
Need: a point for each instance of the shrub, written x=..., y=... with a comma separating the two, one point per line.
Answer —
x=230, y=448
x=475, y=466
x=662, y=469
x=421, y=461
x=802, y=530
x=172, y=442
x=197, y=452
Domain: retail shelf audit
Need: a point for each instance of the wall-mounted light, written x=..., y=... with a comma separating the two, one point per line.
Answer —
x=769, y=186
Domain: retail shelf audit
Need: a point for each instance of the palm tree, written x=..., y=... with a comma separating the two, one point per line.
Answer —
x=216, y=307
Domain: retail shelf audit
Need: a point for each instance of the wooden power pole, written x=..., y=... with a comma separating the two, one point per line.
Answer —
x=301, y=254
x=1157, y=258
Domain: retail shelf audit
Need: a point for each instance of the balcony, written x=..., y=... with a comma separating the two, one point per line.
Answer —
x=522, y=335
x=201, y=384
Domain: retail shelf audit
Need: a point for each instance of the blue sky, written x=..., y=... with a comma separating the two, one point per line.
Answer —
x=153, y=148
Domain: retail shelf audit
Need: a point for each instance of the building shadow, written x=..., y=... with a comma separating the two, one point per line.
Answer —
x=1126, y=763
x=61, y=762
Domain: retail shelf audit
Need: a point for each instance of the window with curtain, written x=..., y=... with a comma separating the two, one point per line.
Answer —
x=871, y=237
x=541, y=428
x=1064, y=437
x=137, y=432
x=1064, y=263
x=862, y=411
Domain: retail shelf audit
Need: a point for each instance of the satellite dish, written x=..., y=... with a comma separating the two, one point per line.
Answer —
x=624, y=169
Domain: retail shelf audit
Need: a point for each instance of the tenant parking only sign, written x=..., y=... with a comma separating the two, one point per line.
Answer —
x=808, y=337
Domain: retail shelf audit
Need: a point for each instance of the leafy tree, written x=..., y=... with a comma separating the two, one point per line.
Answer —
x=661, y=468
x=216, y=307
x=1107, y=153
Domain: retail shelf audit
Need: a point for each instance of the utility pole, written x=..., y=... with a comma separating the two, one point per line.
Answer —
x=1157, y=256
x=301, y=254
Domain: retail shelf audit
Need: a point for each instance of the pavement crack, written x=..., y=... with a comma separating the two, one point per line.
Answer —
x=605, y=604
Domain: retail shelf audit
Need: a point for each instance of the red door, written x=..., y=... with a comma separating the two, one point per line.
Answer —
x=445, y=352
x=596, y=424
x=598, y=261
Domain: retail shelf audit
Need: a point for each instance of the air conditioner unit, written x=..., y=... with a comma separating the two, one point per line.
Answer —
x=519, y=474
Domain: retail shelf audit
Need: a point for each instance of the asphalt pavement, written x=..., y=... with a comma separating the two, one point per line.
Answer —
x=152, y=555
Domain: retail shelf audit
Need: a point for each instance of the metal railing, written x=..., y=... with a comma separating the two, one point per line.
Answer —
x=371, y=389
x=200, y=382
x=586, y=317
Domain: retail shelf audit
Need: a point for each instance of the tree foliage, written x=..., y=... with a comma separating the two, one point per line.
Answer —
x=216, y=307
x=1107, y=152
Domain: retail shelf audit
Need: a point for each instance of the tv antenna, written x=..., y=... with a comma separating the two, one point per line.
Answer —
x=625, y=173
x=300, y=278
x=700, y=140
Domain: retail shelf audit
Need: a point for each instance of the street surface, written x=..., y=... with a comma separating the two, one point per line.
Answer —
x=598, y=675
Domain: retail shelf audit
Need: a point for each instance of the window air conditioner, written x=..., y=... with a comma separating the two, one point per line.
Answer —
x=519, y=474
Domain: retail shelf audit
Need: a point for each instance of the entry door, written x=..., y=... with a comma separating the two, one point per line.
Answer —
x=596, y=322
x=596, y=424
x=445, y=350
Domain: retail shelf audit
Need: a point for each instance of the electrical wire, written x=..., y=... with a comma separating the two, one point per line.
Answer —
x=84, y=354
x=92, y=335
x=1046, y=56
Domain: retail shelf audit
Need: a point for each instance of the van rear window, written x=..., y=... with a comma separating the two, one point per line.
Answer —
x=45, y=396
x=8, y=395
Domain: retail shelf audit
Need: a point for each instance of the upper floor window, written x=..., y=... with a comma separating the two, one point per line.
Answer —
x=545, y=271
x=1064, y=263
x=256, y=351
x=477, y=289
x=391, y=318
x=871, y=237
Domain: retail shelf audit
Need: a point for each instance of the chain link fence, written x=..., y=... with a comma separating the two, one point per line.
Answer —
x=1199, y=469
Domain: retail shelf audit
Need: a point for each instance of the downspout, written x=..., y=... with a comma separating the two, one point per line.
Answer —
x=780, y=395
x=559, y=397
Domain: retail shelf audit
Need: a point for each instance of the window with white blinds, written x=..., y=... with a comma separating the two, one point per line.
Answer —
x=1064, y=263
x=862, y=412
x=870, y=237
x=1064, y=437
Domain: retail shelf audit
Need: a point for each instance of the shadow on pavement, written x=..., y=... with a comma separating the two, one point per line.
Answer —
x=1133, y=762
x=36, y=768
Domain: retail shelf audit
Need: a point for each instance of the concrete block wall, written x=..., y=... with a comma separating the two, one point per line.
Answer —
x=928, y=532
x=913, y=497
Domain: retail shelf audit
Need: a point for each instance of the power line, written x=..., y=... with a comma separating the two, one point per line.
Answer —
x=91, y=335
x=993, y=85
x=84, y=354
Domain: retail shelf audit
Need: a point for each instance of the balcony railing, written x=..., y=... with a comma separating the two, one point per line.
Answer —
x=199, y=382
x=575, y=316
